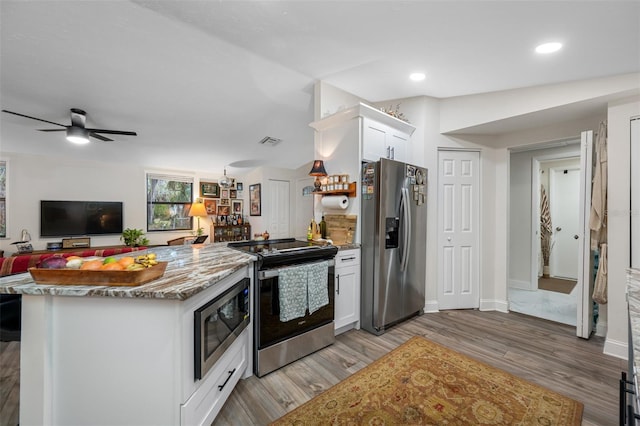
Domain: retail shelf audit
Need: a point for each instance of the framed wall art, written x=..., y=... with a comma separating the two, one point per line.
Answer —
x=225, y=193
x=255, y=207
x=239, y=186
x=209, y=189
x=233, y=193
x=223, y=210
x=236, y=207
x=210, y=206
x=224, y=202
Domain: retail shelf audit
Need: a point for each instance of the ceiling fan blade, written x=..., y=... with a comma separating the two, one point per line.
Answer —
x=52, y=130
x=33, y=118
x=113, y=132
x=97, y=136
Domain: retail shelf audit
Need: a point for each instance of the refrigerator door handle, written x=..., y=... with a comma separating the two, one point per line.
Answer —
x=406, y=227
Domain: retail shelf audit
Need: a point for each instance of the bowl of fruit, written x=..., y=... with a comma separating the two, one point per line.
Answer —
x=108, y=271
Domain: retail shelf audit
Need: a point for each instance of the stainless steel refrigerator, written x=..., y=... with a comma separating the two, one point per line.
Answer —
x=394, y=237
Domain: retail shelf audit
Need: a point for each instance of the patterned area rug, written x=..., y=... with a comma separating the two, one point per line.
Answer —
x=423, y=383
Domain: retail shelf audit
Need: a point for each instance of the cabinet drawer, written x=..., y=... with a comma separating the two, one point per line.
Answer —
x=347, y=258
x=205, y=403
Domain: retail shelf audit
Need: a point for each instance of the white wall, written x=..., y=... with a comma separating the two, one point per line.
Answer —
x=619, y=231
x=32, y=178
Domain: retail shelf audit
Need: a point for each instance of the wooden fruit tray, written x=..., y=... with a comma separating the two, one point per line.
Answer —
x=88, y=277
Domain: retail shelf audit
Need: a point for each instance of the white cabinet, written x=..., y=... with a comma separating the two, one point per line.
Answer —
x=347, y=288
x=382, y=141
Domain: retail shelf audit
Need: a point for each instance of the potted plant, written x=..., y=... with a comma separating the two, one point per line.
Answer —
x=134, y=237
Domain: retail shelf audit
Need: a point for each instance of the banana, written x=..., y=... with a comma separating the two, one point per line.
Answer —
x=146, y=260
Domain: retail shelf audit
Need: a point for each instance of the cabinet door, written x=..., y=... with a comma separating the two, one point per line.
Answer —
x=374, y=141
x=347, y=288
x=398, y=144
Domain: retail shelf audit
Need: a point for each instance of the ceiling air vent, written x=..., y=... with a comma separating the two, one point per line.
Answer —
x=268, y=140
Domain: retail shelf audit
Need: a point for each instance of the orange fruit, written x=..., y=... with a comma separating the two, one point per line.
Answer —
x=91, y=265
x=126, y=261
x=113, y=266
x=73, y=257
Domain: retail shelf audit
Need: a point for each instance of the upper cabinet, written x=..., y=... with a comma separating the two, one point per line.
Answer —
x=382, y=141
x=379, y=134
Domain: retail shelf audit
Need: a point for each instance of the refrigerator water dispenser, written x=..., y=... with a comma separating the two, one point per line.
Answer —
x=391, y=232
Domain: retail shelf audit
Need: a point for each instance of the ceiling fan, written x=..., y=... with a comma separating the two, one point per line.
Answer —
x=77, y=131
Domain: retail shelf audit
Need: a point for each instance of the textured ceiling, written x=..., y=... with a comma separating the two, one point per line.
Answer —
x=203, y=81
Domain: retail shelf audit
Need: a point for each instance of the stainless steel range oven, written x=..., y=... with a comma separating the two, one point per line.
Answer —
x=218, y=323
x=279, y=340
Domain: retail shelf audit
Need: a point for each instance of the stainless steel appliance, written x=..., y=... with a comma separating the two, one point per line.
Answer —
x=394, y=230
x=218, y=323
x=277, y=342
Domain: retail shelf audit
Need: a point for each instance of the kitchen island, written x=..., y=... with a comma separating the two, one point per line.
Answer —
x=125, y=355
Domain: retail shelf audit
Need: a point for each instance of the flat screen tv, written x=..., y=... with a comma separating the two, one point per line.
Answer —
x=72, y=218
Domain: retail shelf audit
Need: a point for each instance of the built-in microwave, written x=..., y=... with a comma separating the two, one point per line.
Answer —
x=218, y=323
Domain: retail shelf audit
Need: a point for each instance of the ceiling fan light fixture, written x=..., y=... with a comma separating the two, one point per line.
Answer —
x=78, y=135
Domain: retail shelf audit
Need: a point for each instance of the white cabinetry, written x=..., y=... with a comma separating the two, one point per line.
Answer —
x=382, y=141
x=347, y=288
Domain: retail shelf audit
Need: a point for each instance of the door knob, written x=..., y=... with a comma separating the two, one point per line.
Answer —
x=575, y=237
x=558, y=229
x=448, y=238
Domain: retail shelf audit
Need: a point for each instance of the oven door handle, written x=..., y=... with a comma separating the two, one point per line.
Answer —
x=272, y=273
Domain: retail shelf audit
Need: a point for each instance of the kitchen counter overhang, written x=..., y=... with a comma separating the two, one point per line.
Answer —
x=191, y=269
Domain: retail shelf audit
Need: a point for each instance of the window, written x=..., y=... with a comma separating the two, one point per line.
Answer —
x=168, y=202
x=3, y=198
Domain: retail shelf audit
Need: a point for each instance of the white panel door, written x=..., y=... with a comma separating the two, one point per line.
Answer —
x=458, y=230
x=564, y=200
x=278, y=209
x=584, y=314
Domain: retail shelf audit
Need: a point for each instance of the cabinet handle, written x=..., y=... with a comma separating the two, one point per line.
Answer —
x=338, y=284
x=225, y=382
x=388, y=152
x=344, y=259
x=393, y=153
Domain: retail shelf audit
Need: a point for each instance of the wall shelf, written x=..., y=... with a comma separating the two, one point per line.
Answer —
x=351, y=192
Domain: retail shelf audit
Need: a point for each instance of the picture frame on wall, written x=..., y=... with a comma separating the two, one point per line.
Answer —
x=223, y=210
x=239, y=186
x=224, y=202
x=255, y=207
x=225, y=193
x=209, y=189
x=210, y=206
x=233, y=193
x=236, y=207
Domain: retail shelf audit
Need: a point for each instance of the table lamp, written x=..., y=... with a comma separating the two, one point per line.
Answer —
x=317, y=170
x=198, y=210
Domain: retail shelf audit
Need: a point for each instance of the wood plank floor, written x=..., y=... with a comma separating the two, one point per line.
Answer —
x=537, y=350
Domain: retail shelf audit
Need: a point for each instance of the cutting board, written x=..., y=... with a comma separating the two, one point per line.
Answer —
x=341, y=229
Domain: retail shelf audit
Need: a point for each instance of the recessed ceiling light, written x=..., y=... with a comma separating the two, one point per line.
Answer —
x=549, y=47
x=417, y=76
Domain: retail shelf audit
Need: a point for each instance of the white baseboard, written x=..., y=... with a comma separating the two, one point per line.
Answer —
x=494, y=305
x=519, y=284
x=431, y=306
x=616, y=348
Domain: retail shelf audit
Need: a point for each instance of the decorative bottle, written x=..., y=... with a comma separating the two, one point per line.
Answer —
x=323, y=228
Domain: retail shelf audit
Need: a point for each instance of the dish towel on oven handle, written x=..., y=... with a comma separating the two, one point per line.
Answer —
x=292, y=289
x=317, y=285
x=303, y=287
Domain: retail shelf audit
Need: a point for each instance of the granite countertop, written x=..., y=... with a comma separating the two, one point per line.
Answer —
x=191, y=269
x=633, y=299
